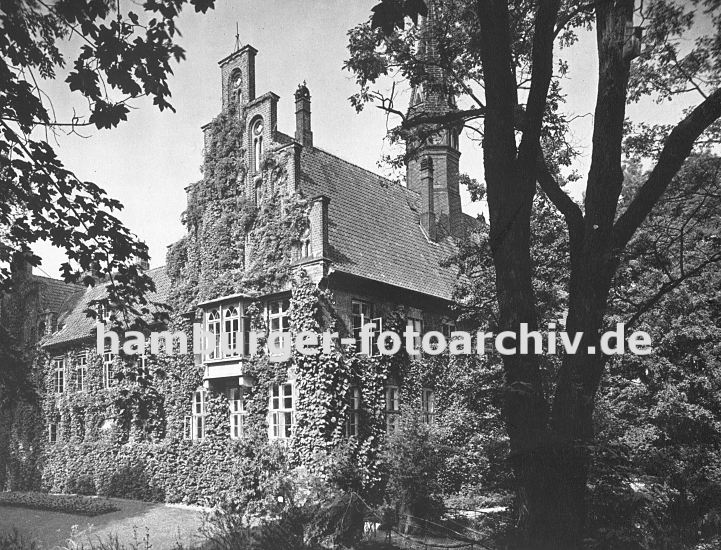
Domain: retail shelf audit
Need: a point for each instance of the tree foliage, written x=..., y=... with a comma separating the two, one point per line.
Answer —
x=502, y=60
x=118, y=55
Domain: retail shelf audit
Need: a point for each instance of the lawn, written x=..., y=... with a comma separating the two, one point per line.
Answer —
x=165, y=524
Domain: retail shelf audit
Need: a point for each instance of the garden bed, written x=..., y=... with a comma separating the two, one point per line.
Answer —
x=69, y=504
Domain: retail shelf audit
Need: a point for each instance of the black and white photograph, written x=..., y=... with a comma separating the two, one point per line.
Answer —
x=360, y=274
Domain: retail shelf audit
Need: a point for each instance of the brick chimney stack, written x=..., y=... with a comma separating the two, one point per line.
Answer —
x=303, y=133
x=428, y=216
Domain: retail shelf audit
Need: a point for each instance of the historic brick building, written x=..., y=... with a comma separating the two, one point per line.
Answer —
x=376, y=247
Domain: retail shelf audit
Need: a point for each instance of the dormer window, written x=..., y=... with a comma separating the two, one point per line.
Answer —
x=257, y=137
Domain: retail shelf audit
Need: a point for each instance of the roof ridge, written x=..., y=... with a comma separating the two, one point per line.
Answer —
x=53, y=279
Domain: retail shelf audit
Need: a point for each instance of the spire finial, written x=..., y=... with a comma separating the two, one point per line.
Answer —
x=237, y=37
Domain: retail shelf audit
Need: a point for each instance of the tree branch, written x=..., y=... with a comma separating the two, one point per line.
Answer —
x=570, y=210
x=676, y=149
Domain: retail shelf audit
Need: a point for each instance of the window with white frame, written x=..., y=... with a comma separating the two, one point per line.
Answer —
x=282, y=411
x=354, y=412
x=213, y=325
x=428, y=405
x=59, y=375
x=231, y=330
x=279, y=317
x=393, y=408
x=237, y=412
x=81, y=370
x=108, y=358
x=194, y=427
x=361, y=314
x=416, y=324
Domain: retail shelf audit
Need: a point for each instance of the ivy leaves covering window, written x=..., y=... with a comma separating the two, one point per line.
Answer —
x=59, y=375
x=237, y=412
x=282, y=412
x=108, y=358
x=427, y=405
x=194, y=425
x=52, y=432
x=416, y=324
x=354, y=410
x=81, y=370
x=393, y=408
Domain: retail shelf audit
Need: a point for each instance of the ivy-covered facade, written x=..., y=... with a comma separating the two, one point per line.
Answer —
x=282, y=236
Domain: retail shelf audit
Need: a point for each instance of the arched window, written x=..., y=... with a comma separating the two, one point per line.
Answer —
x=214, y=329
x=236, y=81
x=232, y=328
x=257, y=137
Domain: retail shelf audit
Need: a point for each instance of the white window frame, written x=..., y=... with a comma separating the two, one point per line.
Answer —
x=214, y=325
x=108, y=360
x=352, y=426
x=280, y=318
x=236, y=404
x=81, y=370
x=279, y=413
x=59, y=364
x=194, y=423
x=392, y=408
x=363, y=316
x=428, y=405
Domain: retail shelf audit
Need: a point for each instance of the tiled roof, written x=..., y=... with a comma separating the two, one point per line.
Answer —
x=55, y=295
x=78, y=326
x=373, y=228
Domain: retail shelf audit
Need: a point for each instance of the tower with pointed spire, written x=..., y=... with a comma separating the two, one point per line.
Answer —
x=432, y=168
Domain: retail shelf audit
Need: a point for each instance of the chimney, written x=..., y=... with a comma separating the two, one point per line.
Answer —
x=303, y=133
x=20, y=268
x=428, y=216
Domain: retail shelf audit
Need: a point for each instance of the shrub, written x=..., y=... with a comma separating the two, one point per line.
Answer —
x=80, y=505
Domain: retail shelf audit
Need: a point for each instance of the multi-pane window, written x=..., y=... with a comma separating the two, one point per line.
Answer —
x=237, y=412
x=393, y=408
x=213, y=327
x=59, y=375
x=354, y=411
x=279, y=318
x=282, y=413
x=230, y=331
x=361, y=314
x=195, y=423
x=81, y=370
x=108, y=358
x=53, y=432
x=427, y=405
x=416, y=324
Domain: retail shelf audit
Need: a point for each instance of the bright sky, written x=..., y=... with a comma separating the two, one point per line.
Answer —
x=147, y=161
